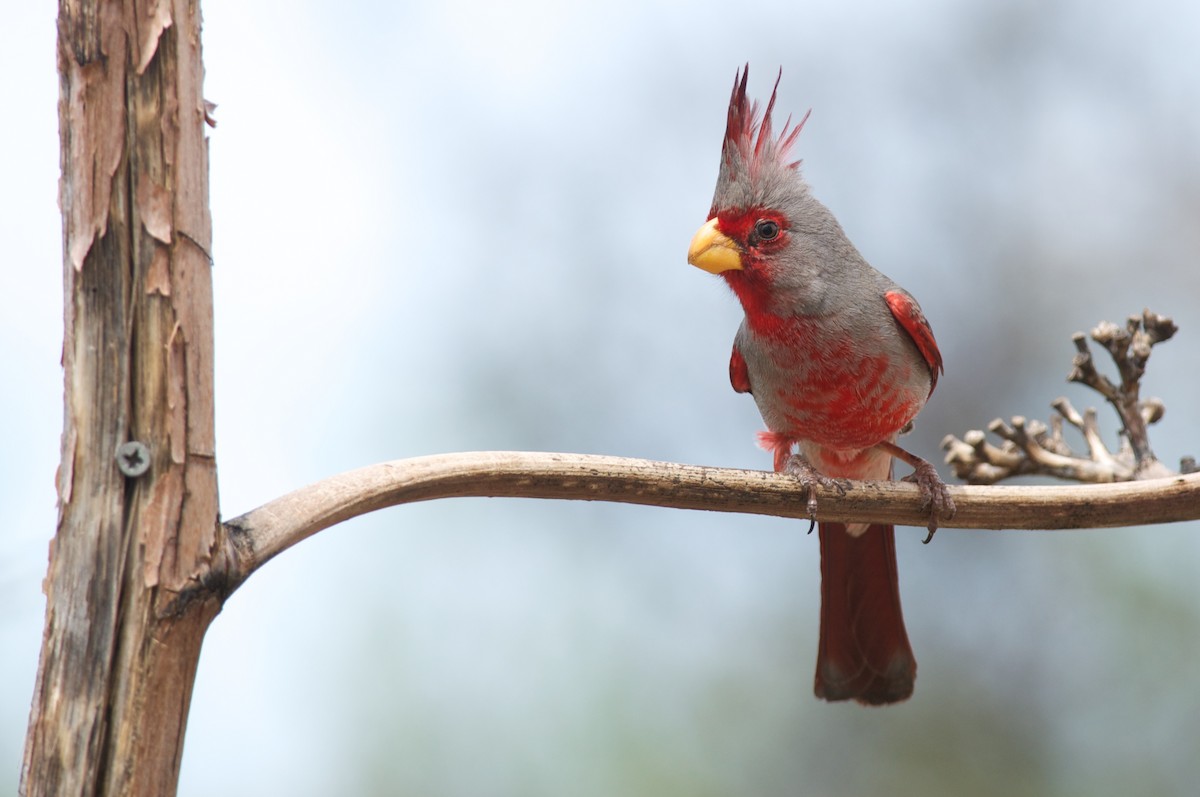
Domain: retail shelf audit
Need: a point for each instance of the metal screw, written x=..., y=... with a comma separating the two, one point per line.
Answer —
x=133, y=458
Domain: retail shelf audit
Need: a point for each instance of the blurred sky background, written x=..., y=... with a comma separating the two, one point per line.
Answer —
x=462, y=225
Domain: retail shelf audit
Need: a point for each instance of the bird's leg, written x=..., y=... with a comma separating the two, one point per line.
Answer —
x=802, y=470
x=934, y=494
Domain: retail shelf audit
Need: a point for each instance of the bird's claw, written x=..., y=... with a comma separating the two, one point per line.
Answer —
x=935, y=496
x=809, y=477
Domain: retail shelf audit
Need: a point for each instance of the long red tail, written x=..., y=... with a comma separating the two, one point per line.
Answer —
x=864, y=652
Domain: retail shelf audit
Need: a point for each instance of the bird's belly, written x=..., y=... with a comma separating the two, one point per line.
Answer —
x=846, y=404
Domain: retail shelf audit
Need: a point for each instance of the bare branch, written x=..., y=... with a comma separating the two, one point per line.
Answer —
x=1035, y=448
x=260, y=534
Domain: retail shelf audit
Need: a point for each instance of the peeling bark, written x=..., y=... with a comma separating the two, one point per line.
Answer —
x=120, y=645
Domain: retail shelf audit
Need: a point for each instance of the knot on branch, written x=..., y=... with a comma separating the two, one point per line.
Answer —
x=1033, y=447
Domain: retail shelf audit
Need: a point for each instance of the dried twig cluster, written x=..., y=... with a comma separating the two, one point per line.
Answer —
x=1033, y=447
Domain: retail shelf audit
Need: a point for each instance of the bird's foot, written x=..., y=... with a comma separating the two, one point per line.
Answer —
x=802, y=470
x=935, y=496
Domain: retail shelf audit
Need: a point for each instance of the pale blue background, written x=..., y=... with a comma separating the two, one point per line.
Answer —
x=462, y=225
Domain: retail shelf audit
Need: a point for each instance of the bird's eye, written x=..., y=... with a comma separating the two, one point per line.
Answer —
x=767, y=230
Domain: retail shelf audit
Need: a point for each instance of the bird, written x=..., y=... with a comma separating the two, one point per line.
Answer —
x=839, y=360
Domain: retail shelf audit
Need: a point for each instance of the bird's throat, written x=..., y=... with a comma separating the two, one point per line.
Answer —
x=754, y=292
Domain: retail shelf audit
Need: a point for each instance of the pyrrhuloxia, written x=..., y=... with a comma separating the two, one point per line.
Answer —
x=840, y=360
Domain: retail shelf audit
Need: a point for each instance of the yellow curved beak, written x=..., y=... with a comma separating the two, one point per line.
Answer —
x=713, y=251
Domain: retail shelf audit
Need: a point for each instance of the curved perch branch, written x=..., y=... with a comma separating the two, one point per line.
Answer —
x=258, y=535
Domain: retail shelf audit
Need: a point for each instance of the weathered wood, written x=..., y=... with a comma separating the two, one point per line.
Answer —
x=120, y=648
x=267, y=531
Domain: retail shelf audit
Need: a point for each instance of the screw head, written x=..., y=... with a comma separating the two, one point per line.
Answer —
x=133, y=458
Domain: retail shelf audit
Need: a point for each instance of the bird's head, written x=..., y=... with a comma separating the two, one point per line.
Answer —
x=760, y=198
x=756, y=188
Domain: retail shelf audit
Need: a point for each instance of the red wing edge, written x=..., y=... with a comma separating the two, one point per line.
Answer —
x=912, y=320
x=739, y=375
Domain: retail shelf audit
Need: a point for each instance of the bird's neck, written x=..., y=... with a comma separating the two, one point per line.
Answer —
x=760, y=303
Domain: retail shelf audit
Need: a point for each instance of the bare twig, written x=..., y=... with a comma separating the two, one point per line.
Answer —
x=1035, y=448
x=260, y=534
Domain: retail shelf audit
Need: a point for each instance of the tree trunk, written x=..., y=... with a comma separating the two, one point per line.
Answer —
x=126, y=610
